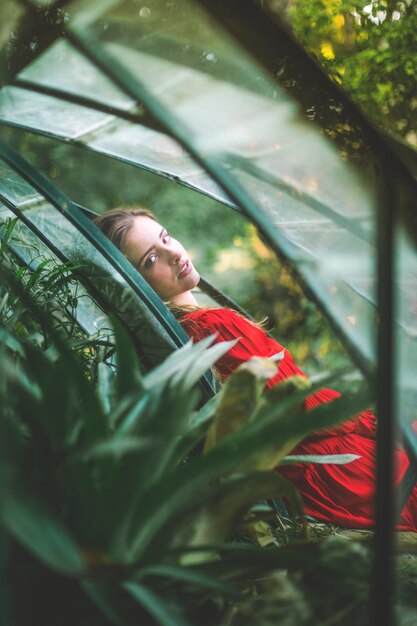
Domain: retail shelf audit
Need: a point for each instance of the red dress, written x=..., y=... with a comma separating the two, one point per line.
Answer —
x=339, y=494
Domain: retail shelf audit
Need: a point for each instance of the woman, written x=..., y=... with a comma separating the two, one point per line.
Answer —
x=340, y=494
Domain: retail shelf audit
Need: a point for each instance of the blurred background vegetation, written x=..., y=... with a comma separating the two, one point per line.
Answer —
x=369, y=48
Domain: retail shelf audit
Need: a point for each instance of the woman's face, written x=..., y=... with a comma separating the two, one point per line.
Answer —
x=161, y=260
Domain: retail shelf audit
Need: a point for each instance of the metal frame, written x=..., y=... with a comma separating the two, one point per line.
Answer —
x=275, y=35
x=382, y=576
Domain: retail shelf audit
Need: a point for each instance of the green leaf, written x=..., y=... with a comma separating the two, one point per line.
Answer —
x=195, y=430
x=239, y=398
x=9, y=224
x=154, y=605
x=102, y=598
x=128, y=378
x=179, y=366
x=201, y=364
x=29, y=521
x=206, y=412
x=116, y=448
x=190, y=575
x=133, y=408
x=335, y=459
x=105, y=379
x=214, y=513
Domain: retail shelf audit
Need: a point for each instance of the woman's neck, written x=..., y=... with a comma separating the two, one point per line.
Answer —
x=184, y=299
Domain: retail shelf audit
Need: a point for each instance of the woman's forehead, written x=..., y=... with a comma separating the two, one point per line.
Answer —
x=144, y=229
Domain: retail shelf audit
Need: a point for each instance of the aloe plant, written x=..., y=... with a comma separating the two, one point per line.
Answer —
x=103, y=489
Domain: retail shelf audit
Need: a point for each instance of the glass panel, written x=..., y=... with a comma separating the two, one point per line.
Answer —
x=337, y=260
x=156, y=152
x=107, y=135
x=78, y=77
x=15, y=189
x=49, y=115
x=179, y=32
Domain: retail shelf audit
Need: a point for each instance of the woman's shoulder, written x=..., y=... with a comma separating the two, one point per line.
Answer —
x=226, y=323
x=217, y=316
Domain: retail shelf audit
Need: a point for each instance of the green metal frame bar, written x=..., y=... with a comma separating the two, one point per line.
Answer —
x=383, y=562
x=136, y=117
x=164, y=174
x=101, y=243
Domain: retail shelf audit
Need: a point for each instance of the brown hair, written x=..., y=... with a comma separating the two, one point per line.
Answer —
x=116, y=223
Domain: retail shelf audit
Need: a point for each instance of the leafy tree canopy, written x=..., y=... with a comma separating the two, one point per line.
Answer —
x=369, y=47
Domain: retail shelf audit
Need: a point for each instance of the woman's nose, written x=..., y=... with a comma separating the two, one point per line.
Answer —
x=174, y=255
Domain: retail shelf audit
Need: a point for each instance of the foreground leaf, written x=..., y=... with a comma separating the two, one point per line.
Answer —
x=40, y=532
x=273, y=435
x=103, y=599
x=188, y=575
x=154, y=605
x=239, y=398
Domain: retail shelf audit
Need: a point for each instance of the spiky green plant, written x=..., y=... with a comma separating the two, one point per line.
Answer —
x=101, y=484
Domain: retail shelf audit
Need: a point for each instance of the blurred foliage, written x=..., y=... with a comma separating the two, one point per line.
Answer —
x=292, y=318
x=35, y=29
x=369, y=47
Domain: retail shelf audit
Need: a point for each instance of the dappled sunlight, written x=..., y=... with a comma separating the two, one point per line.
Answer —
x=233, y=259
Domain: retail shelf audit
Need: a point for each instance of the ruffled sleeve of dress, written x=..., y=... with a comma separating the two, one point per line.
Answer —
x=228, y=325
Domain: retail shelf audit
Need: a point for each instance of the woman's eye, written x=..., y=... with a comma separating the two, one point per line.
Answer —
x=166, y=238
x=150, y=260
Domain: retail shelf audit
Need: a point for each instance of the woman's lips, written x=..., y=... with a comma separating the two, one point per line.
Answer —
x=186, y=269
